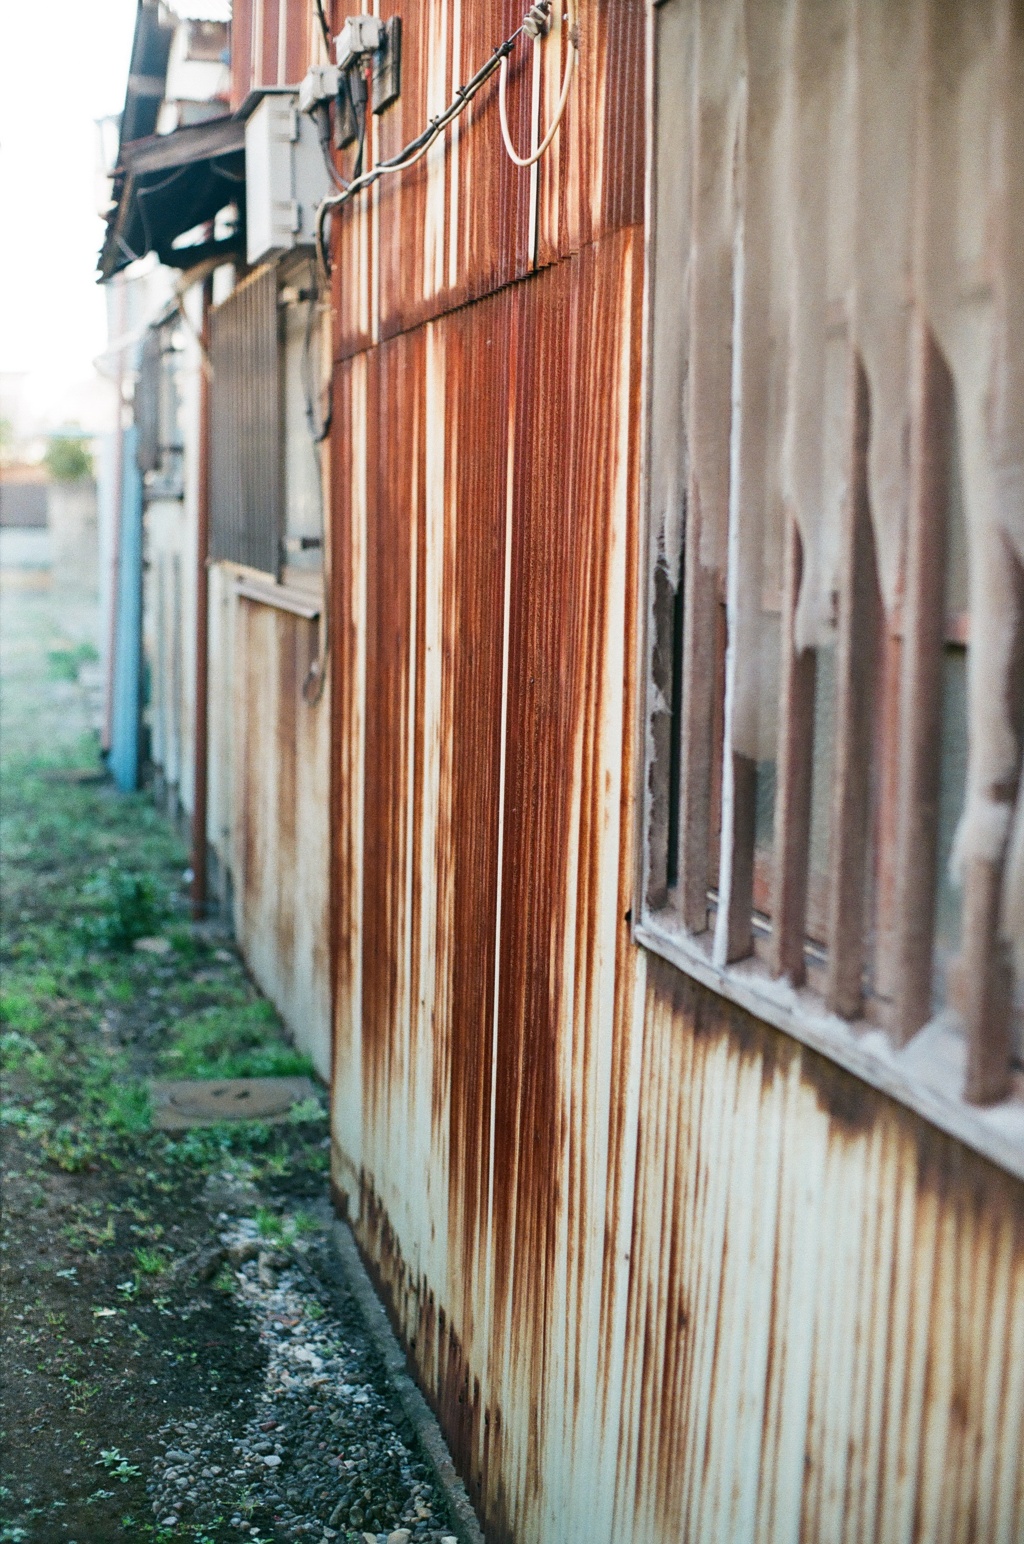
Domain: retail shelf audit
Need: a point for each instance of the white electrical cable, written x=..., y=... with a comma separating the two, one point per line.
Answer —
x=463, y=96
x=414, y=150
x=570, y=64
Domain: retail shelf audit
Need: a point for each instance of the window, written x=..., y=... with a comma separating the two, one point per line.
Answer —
x=267, y=423
x=245, y=426
x=157, y=410
x=835, y=468
x=304, y=420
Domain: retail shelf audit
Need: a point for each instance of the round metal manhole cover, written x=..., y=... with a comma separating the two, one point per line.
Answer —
x=232, y=1101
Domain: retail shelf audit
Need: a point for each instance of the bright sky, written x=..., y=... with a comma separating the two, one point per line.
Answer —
x=63, y=64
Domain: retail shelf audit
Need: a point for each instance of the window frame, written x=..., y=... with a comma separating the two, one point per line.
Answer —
x=240, y=537
x=927, y=1072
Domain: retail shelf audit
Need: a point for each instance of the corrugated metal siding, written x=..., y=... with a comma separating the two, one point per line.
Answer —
x=465, y=221
x=455, y=488
x=220, y=792
x=271, y=43
x=280, y=756
x=146, y=403
x=170, y=599
x=714, y=1288
x=826, y=1299
x=246, y=439
x=664, y=1274
x=170, y=642
x=125, y=744
x=592, y=179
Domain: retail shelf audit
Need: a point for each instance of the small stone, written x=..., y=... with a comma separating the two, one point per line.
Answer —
x=400, y=1536
x=355, y=1517
x=241, y=1250
x=449, y=1538
x=169, y=1522
x=152, y=946
x=369, y=1538
x=336, y=1516
x=271, y=1460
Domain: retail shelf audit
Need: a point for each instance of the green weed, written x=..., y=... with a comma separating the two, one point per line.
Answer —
x=117, y=1465
x=124, y=905
x=63, y=664
x=224, y=1281
x=190, y=946
x=20, y=1011
x=232, y=1042
x=269, y=1223
x=15, y=1048
x=149, y=1261
x=306, y=1110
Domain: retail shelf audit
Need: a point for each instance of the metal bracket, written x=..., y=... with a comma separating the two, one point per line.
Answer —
x=346, y=123
x=387, y=66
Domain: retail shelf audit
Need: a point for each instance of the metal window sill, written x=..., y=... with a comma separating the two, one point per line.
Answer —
x=927, y=1075
x=300, y=603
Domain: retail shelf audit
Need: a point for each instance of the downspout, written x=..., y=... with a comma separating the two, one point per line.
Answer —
x=202, y=617
x=117, y=503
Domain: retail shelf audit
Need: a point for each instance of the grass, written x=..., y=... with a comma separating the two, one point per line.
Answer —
x=64, y=663
x=231, y=1042
x=87, y=872
x=120, y=906
x=104, y=1206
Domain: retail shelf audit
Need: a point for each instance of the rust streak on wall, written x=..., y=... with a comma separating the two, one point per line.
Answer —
x=691, y=1281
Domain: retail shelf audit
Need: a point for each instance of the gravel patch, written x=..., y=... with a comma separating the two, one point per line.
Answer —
x=322, y=1454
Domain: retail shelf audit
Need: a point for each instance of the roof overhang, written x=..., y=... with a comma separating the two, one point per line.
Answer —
x=147, y=73
x=166, y=185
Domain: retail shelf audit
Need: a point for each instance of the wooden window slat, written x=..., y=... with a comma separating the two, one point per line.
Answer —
x=987, y=985
x=985, y=967
x=736, y=885
x=918, y=786
x=860, y=608
x=793, y=782
x=700, y=676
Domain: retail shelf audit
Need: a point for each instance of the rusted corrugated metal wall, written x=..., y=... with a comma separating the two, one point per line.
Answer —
x=280, y=755
x=664, y=1274
x=169, y=595
x=274, y=794
x=271, y=44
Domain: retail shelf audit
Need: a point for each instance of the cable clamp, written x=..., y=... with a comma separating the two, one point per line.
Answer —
x=537, y=21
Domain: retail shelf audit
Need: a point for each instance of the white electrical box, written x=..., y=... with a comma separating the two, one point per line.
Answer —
x=358, y=38
x=285, y=178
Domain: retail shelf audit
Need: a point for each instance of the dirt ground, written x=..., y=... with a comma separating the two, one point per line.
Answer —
x=179, y=1359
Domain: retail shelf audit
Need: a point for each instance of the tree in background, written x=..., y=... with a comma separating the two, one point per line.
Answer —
x=67, y=459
